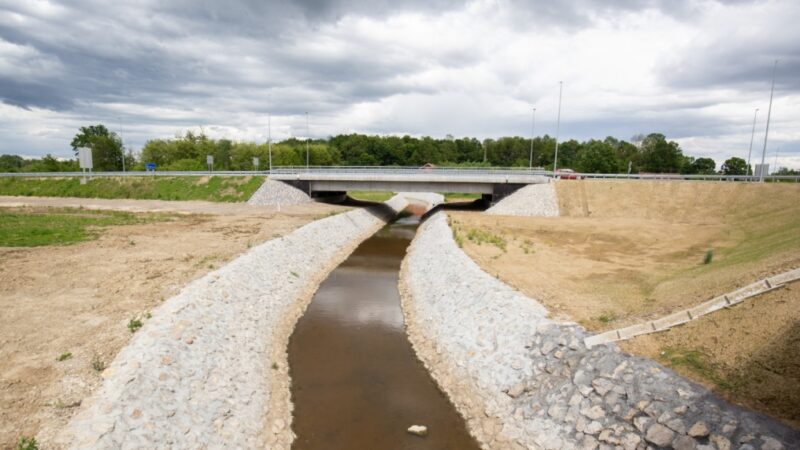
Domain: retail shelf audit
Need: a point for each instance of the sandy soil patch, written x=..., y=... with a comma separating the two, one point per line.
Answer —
x=79, y=299
x=631, y=251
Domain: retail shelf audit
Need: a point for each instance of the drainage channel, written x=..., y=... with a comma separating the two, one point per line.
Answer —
x=356, y=381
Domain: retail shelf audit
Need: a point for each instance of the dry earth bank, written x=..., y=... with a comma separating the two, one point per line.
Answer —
x=79, y=299
x=623, y=252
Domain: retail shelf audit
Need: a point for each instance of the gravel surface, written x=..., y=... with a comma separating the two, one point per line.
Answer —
x=209, y=369
x=274, y=192
x=535, y=200
x=522, y=380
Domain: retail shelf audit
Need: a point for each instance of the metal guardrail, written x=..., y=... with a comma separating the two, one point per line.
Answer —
x=390, y=170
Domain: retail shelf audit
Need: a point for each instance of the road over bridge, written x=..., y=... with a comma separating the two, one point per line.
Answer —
x=493, y=184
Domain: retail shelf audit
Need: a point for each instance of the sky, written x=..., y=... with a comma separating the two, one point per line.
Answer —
x=692, y=70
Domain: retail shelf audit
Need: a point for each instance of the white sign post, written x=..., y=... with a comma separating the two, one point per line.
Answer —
x=85, y=161
x=210, y=162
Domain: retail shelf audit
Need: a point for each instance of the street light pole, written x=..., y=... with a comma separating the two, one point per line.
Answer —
x=307, y=139
x=269, y=141
x=533, y=126
x=122, y=143
x=752, y=135
x=558, y=126
x=769, y=114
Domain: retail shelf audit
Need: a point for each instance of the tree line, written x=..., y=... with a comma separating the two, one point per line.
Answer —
x=652, y=153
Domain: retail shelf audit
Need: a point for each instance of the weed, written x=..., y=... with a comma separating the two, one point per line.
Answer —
x=97, y=364
x=294, y=274
x=709, y=257
x=134, y=325
x=482, y=236
x=27, y=443
x=274, y=366
x=64, y=356
x=607, y=317
x=148, y=315
x=693, y=360
x=131, y=242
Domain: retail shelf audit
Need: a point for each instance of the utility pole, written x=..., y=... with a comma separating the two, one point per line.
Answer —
x=533, y=126
x=752, y=135
x=769, y=114
x=269, y=140
x=558, y=126
x=308, y=137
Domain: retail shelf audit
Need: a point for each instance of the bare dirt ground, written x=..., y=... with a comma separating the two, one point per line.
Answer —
x=79, y=299
x=625, y=251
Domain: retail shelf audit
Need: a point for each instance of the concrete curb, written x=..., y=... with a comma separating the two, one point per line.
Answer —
x=687, y=315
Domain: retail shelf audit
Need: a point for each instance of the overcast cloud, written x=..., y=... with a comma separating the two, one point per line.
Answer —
x=693, y=70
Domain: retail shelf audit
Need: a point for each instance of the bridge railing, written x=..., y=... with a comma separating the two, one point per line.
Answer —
x=404, y=170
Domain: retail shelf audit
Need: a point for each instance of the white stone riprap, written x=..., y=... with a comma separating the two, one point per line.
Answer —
x=534, y=200
x=209, y=368
x=273, y=193
x=522, y=380
x=432, y=199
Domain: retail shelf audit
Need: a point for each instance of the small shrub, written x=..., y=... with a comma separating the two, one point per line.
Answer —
x=27, y=443
x=134, y=325
x=97, y=364
x=64, y=356
x=709, y=257
x=274, y=366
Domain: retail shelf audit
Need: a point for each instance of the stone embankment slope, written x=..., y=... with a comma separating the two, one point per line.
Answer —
x=209, y=369
x=522, y=380
x=278, y=193
x=536, y=200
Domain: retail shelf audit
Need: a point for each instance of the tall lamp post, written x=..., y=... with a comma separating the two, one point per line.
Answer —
x=122, y=143
x=269, y=141
x=769, y=113
x=533, y=126
x=752, y=135
x=558, y=126
x=308, y=137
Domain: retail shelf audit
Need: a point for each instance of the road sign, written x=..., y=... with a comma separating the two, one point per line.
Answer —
x=209, y=159
x=255, y=162
x=85, y=157
x=150, y=167
x=761, y=170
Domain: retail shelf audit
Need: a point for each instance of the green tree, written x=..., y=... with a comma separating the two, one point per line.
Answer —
x=597, y=157
x=659, y=155
x=704, y=166
x=734, y=166
x=106, y=146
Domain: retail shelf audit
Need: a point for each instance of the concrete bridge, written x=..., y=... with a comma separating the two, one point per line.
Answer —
x=492, y=184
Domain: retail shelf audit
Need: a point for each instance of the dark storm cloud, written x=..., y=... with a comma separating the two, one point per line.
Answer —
x=111, y=50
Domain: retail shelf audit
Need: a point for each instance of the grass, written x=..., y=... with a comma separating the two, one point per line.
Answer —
x=27, y=443
x=134, y=325
x=215, y=189
x=450, y=197
x=64, y=356
x=480, y=237
x=607, y=318
x=33, y=227
x=692, y=361
x=371, y=196
x=709, y=257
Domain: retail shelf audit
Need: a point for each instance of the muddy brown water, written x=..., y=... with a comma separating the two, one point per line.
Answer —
x=356, y=381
